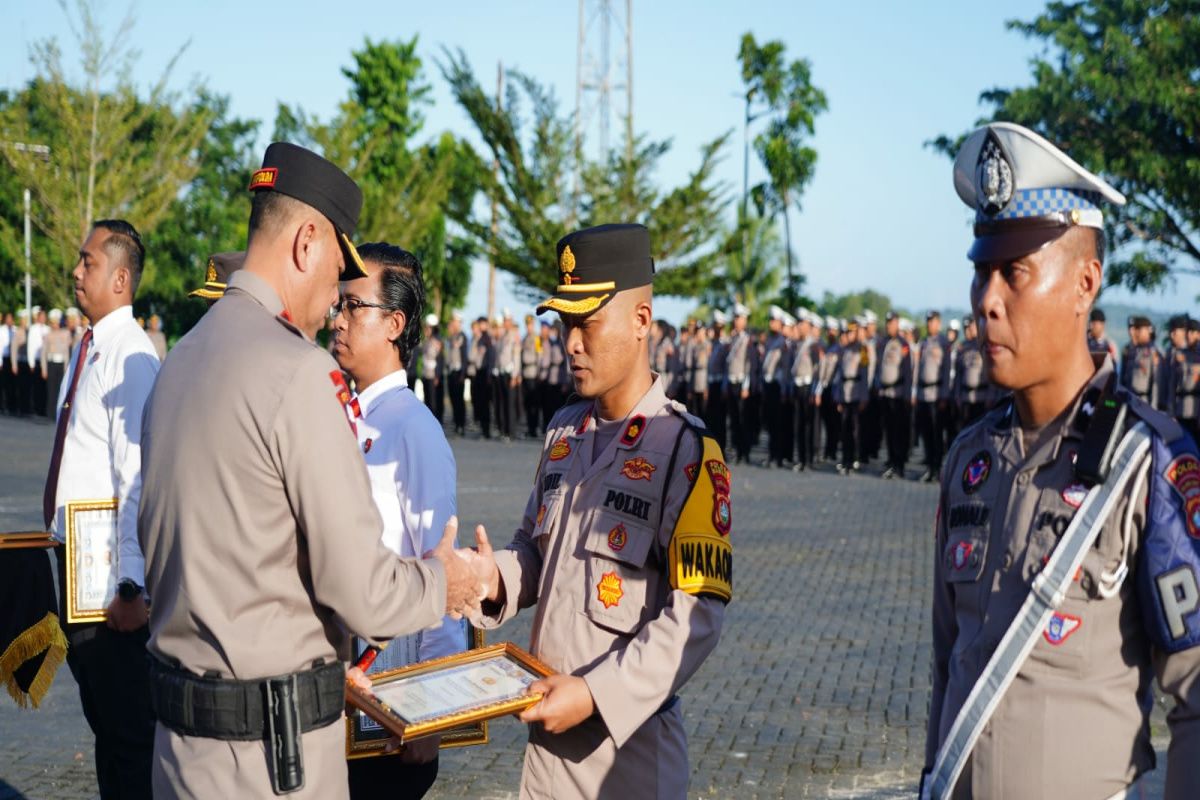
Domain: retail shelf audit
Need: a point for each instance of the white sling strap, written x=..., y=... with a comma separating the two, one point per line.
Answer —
x=1046, y=594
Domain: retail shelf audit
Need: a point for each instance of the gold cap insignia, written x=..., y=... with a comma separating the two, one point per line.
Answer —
x=211, y=275
x=566, y=262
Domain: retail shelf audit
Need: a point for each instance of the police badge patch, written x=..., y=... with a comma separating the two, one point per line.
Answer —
x=961, y=556
x=977, y=471
x=1184, y=476
x=560, y=450
x=993, y=176
x=1074, y=495
x=1060, y=627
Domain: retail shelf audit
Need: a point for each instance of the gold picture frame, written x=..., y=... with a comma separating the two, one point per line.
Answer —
x=26, y=540
x=91, y=556
x=506, y=656
x=366, y=738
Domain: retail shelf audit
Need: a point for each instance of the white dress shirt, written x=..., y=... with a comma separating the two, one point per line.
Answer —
x=102, y=451
x=413, y=477
x=5, y=340
x=33, y=344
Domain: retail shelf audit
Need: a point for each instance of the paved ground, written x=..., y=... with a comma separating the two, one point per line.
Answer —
x=818, y=689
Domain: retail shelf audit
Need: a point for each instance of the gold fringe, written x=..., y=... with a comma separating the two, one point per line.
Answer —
x=46, y=636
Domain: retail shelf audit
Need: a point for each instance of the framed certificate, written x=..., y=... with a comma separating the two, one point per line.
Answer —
x=22, y=540
x=436, y=696
x=91, y=558
x=366, y=737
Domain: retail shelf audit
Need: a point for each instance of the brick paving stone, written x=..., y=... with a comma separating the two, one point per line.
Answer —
x=819, y=688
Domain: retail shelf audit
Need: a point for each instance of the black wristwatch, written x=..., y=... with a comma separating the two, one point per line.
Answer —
x=128, y=589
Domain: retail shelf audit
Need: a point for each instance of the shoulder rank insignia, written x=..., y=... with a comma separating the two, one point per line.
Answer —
x=638, y=469
x=700, y=554
x=634, y=430
x=560, y=450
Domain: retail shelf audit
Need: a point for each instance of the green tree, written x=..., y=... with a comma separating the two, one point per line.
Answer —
x=785, y=93
x=751, y=267
x=112, y=153
x=1116, y=88
x=535, y=153
x=412, y=193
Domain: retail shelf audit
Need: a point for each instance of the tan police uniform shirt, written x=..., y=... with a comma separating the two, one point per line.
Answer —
x=595, y=552
x=894, y=377
x=1073, y=725
x=263, y=546
x=970, y=382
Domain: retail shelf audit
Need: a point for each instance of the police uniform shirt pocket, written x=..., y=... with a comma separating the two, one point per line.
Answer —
x=547, y=515
x=617, y=552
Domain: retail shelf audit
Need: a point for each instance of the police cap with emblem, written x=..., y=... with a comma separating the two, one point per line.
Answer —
x=216, y=274
x=1025, y=191
x=1177, y=322
x=596, y=263
x=302, y=174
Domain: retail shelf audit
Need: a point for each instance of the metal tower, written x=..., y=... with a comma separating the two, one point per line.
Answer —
x=599, y=74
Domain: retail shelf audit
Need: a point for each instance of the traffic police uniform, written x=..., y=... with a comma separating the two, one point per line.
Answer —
x=627, y=554
x=972, y=392
x=262, y=543
x=851, y=391
x=742, y=370
x=1102, y=347
x=1182, y=387
x=775, y=385
x=715, y=408
x=824, y=389
x=933, y=389
x=806, y=360
x=456, y=372
x=433, y=367
x=531, y=348
x=1141, y=367
x=1074, y=723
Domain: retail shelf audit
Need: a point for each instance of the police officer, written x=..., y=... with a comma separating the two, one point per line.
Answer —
x=972, y=393
x=716, y=411
x=1141, y=363
x=456, y=371
x=823, y=390
x=262, y=543
x=806, y=361
x=933, y=390
x=1069, y=715
x=480, y=361
x=531, y=347
x=56, y=353
x=775, y=383
x=1099, y=345
x=742, y=368
x=629, y=489
x=217, y=273
x=506, y=374
x=433, y=368
x=893, y=382
x=1182, y=378
x=851, y=390
x=552, y=371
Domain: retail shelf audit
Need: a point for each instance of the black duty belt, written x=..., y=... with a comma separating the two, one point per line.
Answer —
x=233, y=710
x=924, y=385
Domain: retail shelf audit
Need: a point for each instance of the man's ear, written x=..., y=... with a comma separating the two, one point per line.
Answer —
x=304, y=242
x=397, y=322
x=643, y=314
x=1089, y=281
x=120, y=280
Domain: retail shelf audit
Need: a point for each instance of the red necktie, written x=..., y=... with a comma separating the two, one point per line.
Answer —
x=49, y=506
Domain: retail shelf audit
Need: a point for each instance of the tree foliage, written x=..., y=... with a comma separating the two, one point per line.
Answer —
x=533, y=187
x=1116, y=88
x=112, y=153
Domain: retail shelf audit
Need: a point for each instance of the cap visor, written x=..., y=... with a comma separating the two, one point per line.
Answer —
x=1012, y=244
x=578, y=307
x=208, y=293
x=354, y=265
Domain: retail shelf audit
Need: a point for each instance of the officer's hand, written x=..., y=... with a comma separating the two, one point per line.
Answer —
x=462, y=587
x=483, y=563
x=840, y=408
x=566, y=702
x=745, y=394
x=862, y=406
x=127, y=616
x=356, y=677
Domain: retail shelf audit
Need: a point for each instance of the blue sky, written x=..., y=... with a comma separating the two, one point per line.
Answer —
x=881, y=211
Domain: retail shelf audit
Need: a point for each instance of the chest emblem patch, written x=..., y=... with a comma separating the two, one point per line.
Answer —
x=617, y=538
x=977, y=471
x=609, y=591
x=1184, y=476
x=560, y=450
x=962, y=554
x=1060, y=627
x=638, y=469
x=1074, y=495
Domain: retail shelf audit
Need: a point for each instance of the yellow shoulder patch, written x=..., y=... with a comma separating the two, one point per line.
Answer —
x=701, y=555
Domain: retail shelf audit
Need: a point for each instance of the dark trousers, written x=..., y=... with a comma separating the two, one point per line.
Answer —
x=24, y=388
x=481, y=403
x=787, y=424
x=54, y=373
x=714, y=414
x=8, y=387
x=533, y=405
x=895, y=414
x=851, y=432
x=971, y=412
x=112, y=670
x=872, y=425
x=430, y=391
x=553, y=397
x=743, y=422
x=804, y=425
x=951, y=425
x=387, y=778
x=833, y=425
x=931, y=430
x=457, y=403
x=502, y=401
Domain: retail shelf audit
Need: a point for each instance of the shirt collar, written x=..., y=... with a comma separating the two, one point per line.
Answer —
x=258, y=289
x=106, y=328
x=368, y=398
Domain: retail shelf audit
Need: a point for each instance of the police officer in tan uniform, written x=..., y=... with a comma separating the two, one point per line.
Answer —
x=624, y=546
x=263, y=545
x=1073, y=723
x=894, y=383
x=217, y=273
x=972, y=392
x=1141, y=364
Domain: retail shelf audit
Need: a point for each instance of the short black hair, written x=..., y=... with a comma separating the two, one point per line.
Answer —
x=1101, y=245
x=401, y=288
x=268, y=210
x=125, y=243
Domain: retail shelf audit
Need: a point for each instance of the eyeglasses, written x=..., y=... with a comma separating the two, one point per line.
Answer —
x=353, y=304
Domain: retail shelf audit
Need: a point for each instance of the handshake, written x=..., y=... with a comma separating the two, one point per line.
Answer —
x=471, y=573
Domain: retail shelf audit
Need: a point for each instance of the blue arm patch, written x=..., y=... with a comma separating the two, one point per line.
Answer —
x=1168, y=578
